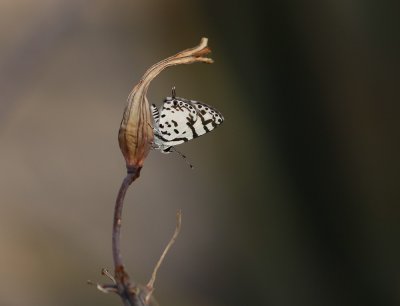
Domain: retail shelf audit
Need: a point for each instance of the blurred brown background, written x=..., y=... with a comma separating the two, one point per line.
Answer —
x=293, y=201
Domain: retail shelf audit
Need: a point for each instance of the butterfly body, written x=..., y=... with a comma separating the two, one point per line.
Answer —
x=180, y=120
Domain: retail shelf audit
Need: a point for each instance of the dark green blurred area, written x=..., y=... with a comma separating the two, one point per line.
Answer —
x=294, y=200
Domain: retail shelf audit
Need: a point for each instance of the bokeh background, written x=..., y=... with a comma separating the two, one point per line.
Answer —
x=293, y=201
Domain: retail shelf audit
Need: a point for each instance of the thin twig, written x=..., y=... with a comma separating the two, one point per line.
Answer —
x=105, y=272
x=150, y=284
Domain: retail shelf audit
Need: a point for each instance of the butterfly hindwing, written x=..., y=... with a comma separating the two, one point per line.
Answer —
x=174, y=117
x=155, y=113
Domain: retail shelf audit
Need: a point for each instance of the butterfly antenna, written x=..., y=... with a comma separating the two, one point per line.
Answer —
x=173, y=92
x=183, y=156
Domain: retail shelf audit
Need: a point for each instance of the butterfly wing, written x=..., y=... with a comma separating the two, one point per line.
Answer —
x=173, y=121
x=208, y=119
x=181, y=120
x=155, y=113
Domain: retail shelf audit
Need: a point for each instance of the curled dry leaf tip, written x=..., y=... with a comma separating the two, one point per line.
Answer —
x=136, y=134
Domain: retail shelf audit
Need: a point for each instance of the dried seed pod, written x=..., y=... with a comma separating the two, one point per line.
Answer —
x=136, y=134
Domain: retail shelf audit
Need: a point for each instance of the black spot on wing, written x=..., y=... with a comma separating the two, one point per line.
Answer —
x=181, y=138
x=166, y=141
x=213, y=122
x=156, y=114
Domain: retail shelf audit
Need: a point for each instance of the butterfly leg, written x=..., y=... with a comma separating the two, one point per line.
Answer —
x=172, y=149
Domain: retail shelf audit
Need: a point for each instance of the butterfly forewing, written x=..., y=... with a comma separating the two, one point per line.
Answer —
x=208, y=118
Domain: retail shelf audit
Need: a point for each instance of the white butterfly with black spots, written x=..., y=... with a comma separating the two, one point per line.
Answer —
x=180, y=120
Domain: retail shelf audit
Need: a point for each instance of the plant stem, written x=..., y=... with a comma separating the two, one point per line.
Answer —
x=132, y=175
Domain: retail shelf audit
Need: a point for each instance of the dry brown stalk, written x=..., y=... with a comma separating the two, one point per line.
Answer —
x=135, y=137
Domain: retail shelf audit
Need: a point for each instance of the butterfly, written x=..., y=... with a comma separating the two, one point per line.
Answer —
x=180, y=120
